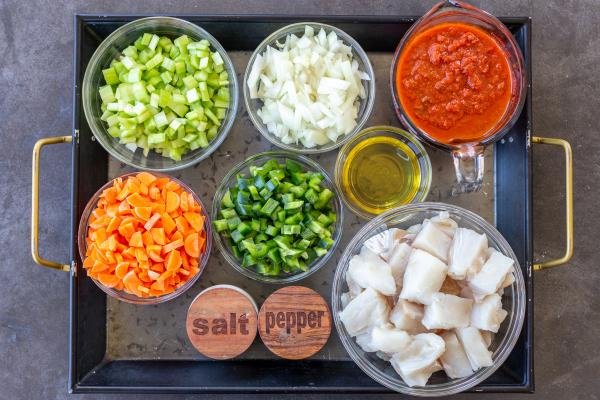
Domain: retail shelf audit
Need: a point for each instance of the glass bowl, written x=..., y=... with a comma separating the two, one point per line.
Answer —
x=129, y=297
x=412, y=144
x=110, y=49
x=364, y=64
x=229, y=181
x=513, y=301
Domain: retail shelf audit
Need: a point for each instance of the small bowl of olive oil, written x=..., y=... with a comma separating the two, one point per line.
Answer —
x=381, y=168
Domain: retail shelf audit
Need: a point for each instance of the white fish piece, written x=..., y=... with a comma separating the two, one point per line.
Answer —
x=380, y=242
x=354, y=288
x=491, y=276
x=467, y=253
x=433, y=240
x=488, y=314
x=475, y=347
x=509, y=280
x=367, y=269
x=407, y=316
x=445, y=223
x=368, y=308
x=423, y=277
x=419, y=360
x=395, y=237
x=398, y=260
x=447, y=311
x=488, y=338
x=364, y=342
x=388, y=339
x=455, y=360
x=414, y=229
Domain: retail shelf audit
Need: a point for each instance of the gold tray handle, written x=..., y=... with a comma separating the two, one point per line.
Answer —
x=35, y=197
x=569, y=202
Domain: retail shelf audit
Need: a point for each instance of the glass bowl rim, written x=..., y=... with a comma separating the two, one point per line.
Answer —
x=360, y=121
x=216, y=207
x=515, y=320
x=122, y=295
x=94, y=64
x=345, y=150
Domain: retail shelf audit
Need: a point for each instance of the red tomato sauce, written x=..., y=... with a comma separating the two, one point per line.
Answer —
x=454, y=82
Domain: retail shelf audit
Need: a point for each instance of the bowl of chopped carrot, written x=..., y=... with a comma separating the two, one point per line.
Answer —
x=144, y=238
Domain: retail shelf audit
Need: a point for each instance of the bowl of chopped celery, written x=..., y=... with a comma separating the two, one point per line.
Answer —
x=277, y=217
x=160, y=94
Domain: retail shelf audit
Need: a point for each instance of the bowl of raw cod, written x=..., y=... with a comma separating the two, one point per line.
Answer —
x=429, y=299
x=309, y=87
x=160, y=94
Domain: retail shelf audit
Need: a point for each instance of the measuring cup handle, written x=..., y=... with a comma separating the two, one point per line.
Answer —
x=469, y=167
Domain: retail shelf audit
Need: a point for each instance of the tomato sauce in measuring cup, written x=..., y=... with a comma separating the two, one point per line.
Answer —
x=454, y=82
x=459, y=83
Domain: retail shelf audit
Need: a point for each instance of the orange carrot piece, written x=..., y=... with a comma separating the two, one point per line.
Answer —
x=183, y=201
x=168, y=223
x=170, y=247
x=122, y=269
x=173, y=261
x=191, y=245
x=182, y=224
x=136, y=240
x=172, y=202
x=158, y=235
x=143, y=213
x=108, y=280
x=195, y=219
x=152, y=221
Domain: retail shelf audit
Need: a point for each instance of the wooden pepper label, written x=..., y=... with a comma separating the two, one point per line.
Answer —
x=294, y=322
x=222, y=322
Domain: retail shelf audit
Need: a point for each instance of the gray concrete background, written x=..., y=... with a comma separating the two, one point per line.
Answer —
x=36, y=39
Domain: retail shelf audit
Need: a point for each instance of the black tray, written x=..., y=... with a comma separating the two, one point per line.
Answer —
x=90, y=370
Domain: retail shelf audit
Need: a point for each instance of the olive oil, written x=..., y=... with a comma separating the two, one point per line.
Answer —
x=381, y=173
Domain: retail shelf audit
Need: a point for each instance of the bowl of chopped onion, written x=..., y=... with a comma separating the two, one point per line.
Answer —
x=160, y=94
x=309, y=87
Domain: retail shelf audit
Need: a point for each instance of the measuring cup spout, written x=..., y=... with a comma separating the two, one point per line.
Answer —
x=469, y=167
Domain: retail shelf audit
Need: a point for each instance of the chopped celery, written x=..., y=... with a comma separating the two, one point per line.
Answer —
x=165, y=95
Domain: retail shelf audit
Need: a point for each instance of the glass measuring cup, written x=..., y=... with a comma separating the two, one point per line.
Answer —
x=467, y=155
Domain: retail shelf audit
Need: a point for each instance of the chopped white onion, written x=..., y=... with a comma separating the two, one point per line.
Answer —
x=310, y=87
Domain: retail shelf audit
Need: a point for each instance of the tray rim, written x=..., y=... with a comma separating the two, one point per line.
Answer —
x=76, y=385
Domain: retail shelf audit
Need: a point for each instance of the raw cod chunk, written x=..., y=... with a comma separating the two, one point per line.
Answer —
x=398, y=260
x=492, y=275
x=367, y=309
x=419, y=360
x=475, y=347
x=447, y=312
x=433, y=240
x=367, y=269
x=423, y=277
x=467, y=253
x=488, y=314
x=407, y=316
x=455, y=360
x=388, y=339
x=445, y=223
x=380, y=242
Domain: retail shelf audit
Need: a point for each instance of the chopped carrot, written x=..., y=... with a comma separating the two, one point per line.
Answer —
x=172, y=202
x=145, y=236
x=191, y=245
x=136, y=240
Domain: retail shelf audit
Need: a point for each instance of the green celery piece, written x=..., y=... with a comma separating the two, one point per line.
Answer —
x=110, y=76
x=106, y=94
x=221, y=225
